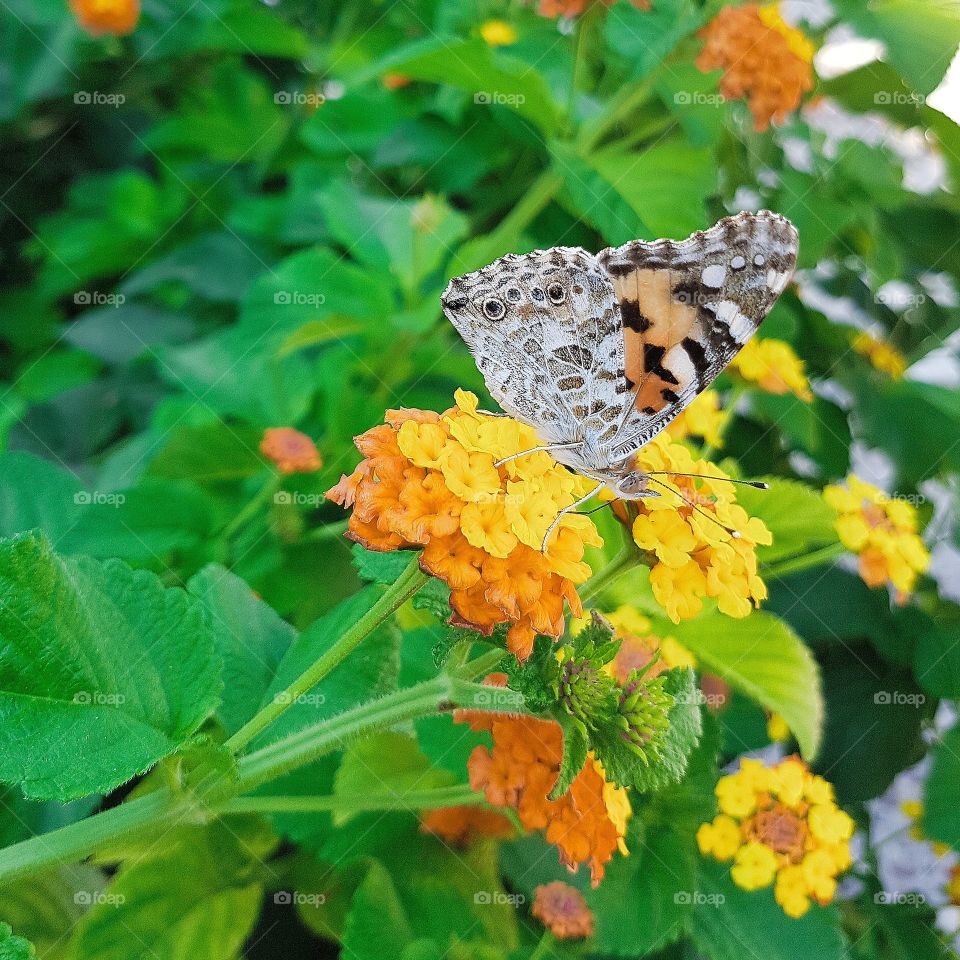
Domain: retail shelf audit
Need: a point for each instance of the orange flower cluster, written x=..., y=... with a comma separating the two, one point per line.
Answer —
x=291, y=450
x=99, y=17
x=587, y=823
x=764, y=60
x=562, y=910
x=463, y=824
x=431, y=481
x=573, y=8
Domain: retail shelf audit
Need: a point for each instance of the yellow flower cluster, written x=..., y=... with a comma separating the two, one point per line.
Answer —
x=692, y=555
x=773, y=366
x=798, y=43
x=882, y=530
x=780, y=825
x=884, y=357
x=498, y=33
x=703, y=418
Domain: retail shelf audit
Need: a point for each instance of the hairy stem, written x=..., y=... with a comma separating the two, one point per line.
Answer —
x=628, y=557
x=818, y=558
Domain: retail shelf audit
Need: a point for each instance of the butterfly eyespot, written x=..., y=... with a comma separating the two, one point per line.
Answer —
x=514, y=295
x=493, y=309
x=556, y=293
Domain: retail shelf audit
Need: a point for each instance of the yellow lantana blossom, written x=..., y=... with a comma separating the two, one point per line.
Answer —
x=883, y=531
x=780, y=825
x=703, y=418
x=881, y=354
x=773, y=366
x=498, y=33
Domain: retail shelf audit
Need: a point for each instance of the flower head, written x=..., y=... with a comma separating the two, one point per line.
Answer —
x=587, y=823
x=432, y=481
x=573, y=8
x=463, y=824
x=562, y=910
x=764, y=60
x=291, y=450
x=498, y=33
x=780, y=825
x=703, y=418
x=692, y=555
x=881, y=354
x=773, y=366
x=882, y=530
x=98, y=17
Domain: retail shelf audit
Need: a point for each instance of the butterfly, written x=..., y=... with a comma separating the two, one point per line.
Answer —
x=599, y=353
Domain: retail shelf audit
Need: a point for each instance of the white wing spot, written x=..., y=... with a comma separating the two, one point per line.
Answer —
x=758, y=260
x=738, y=263
x=714, y=275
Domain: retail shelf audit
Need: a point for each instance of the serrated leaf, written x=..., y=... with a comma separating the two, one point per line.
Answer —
x=375, y=567
x=765, y=659
x=14, y=948
x=575, y=747
x=103, y=672
x=433, y=596
x=250, y=637
x=386, y=764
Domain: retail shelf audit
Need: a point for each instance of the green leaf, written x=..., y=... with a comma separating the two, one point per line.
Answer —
x=941, y=802
x=643, y=38
x=764, y=658
x=936, y=661
x=728, y=921
x=206, y=914
x=797, y=516
x=35, y=493
x=385, y=764
x=211, y=453
x=377, y=927
x=249, y=636
x=102, y=671
x=685, y=178
x=14, y=948
x=494, y=78
x=575, y=747
x=377, y=567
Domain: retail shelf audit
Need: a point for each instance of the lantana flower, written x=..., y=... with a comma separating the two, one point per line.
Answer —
x=780, y=825
x=498, y=33
x=882, y=530
x=691, y=555
x=563, y=910
x=431, y=481
x=764, y=60
x=99, y=17
x=639, y=646
x=774, y=367
x=463, y=824
x=587, y=824
x=291, y=450
x=703, y=418
x=573, y=8
x=881, y=354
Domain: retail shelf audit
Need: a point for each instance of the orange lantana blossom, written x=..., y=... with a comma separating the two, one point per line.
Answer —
x=430, y=480
x=291, y=450
x=587, y=824
x=98, y=17
x=764, y=60
x=573, y=8
x=463, y=824
x=691, y=555
x=563, y=910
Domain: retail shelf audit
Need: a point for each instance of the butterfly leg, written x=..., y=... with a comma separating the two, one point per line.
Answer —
x=546, y=448
x=556, y=522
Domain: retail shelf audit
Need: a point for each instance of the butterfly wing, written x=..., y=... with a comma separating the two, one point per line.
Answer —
x=544, y=329
x=688, y=307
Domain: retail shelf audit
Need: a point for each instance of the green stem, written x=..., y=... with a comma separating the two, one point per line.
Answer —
x=481, y=666
x=543, y=948
x=329, y=531
x=626, y=102
x=439, y=695
x=453, y=796
x=78, y=840
x=784, y=568
x=253, y=507
x=406, y=585
x=627, y=557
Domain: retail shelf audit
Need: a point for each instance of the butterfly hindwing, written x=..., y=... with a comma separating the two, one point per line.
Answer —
x=688, y=307
x=544, y=329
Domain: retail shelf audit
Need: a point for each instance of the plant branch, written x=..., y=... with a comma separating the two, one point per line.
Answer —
x=628, y=557
x=784, y=568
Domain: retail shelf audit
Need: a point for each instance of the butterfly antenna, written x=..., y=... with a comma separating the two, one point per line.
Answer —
x=756, y=484
x=703, y=513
